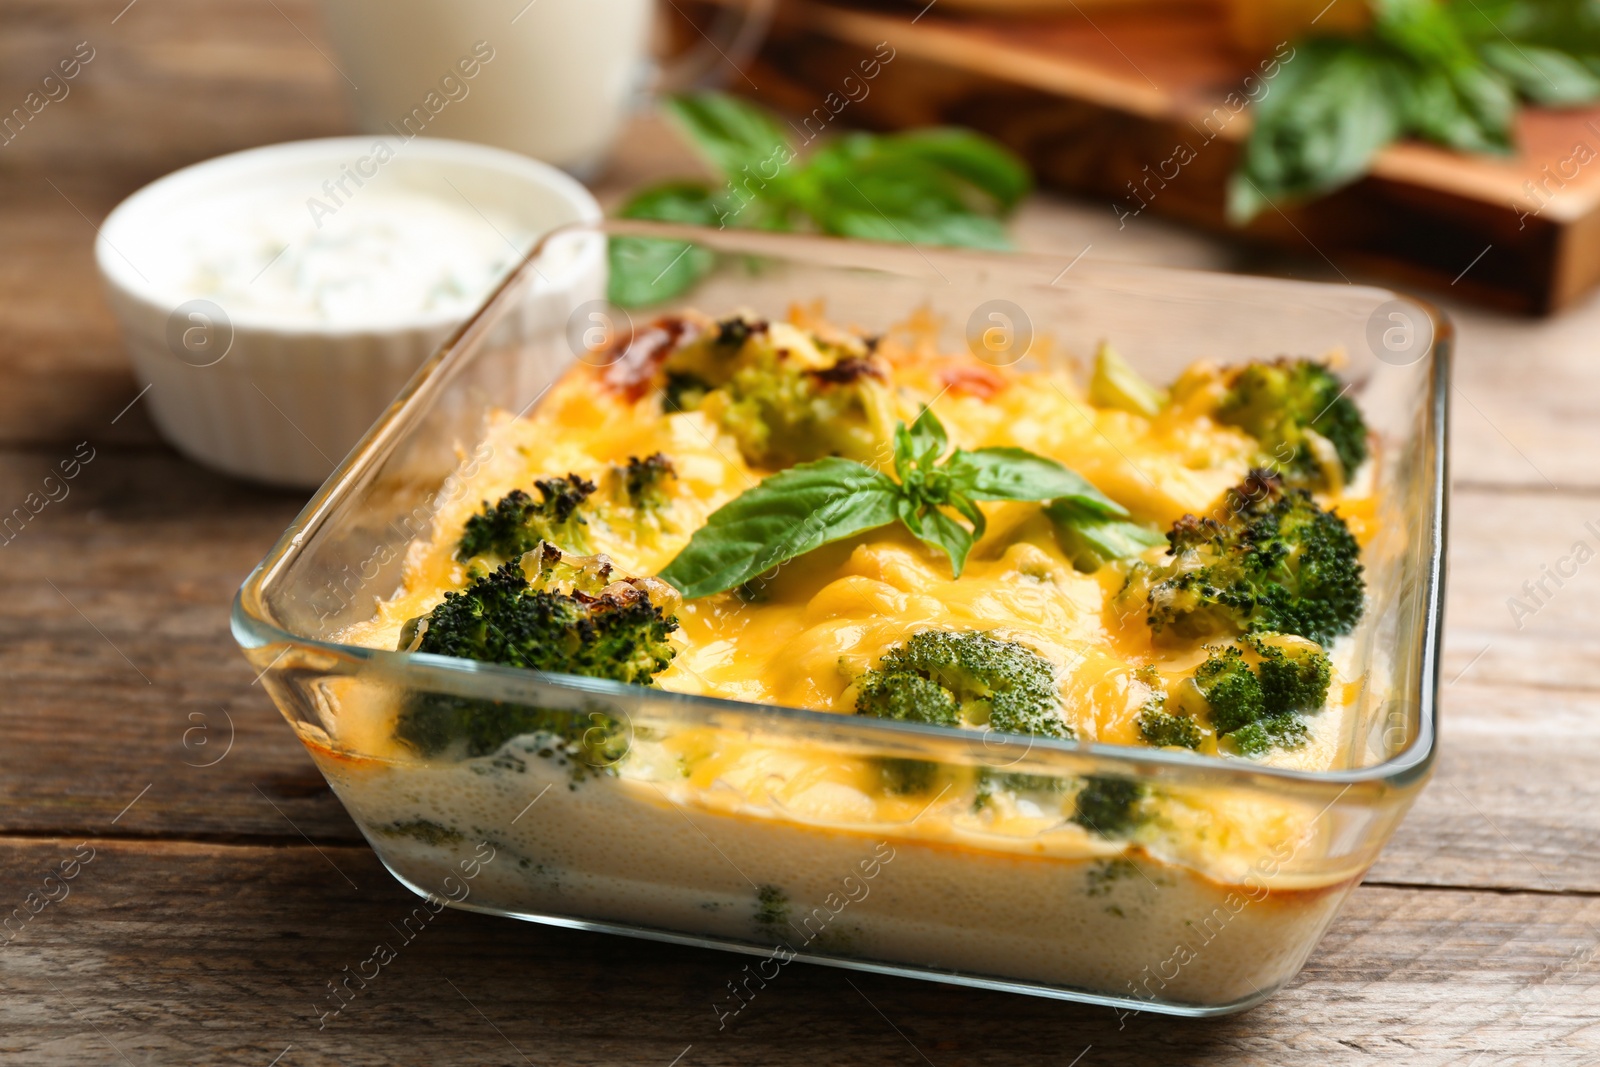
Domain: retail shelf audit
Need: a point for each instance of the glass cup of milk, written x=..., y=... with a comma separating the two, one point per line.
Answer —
x=551, y=79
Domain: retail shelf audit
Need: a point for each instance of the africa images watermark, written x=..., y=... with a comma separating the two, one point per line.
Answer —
x=1252, y=889
x=833, y=104
x=54, y=490
x=774, y=918
x=41, y=898
x=452, y=88
x=1254, y=89
x=1539, y=591
x=53, y=88
x=411, y=926
x=1542, y=193
x=744, y=186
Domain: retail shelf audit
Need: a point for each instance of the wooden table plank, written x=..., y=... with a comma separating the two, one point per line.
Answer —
x=200, y=954
x=1512, y=800
x=165, y=84
x=117, y=664
x=1521, y=605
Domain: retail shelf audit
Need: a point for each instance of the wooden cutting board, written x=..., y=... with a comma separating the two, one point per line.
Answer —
x=1145, y=106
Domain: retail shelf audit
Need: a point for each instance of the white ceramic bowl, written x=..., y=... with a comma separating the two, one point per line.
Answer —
x=274, y=395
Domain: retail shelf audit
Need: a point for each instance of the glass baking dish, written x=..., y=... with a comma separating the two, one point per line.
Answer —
x=589, y=823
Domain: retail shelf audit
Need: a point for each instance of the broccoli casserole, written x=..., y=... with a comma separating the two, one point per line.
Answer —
x=796, y=513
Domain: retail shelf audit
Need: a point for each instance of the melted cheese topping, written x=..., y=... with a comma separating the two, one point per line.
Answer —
x=827, y=616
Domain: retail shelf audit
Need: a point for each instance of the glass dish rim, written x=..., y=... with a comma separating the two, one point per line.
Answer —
x=253, y=628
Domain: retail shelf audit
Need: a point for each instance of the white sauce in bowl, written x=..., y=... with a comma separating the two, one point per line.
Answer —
x=385, y=254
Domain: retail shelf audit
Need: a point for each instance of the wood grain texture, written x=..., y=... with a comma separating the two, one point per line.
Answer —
x=169, y=84
x=1502, y=546
x=117, y=664
x=1511, y=804
x=166, y=953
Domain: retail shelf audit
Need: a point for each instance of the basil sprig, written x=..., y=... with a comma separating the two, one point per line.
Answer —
x=813, y=504
x=940, y=186
x=1447, y=71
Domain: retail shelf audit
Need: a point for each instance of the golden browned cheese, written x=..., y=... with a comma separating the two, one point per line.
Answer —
x=828, y=616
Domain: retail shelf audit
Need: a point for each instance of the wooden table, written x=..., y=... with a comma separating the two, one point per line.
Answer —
x=227, y=887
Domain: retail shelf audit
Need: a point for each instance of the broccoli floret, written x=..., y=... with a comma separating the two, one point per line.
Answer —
x=989, y=781
x=1157, y=725
x=1259, y=738
x=1294, y=676
x=772, y=911
x=734, y=331
x=786, y=395
x=1108, y=806
x=1161, y=727
x=1232, y=690
x=644, y=480
x=517, y=523
x=502, y=618
x=907, y=697
x=1278, y=563
x=1298, y=412
x=968, y=678
x=1259, y=706
x=424, y=830
x=908, y=776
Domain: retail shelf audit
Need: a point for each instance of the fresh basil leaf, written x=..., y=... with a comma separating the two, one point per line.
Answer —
x=787, y=515
x=955, y=231
x=933, y=527
x=1571, y=26
x=1488, y=97
x=858, y=187
x=909, y=512
x=1448, y=72
x=939, y=186
x=859, y=172
x=733, y=134
x=1091, y=541
x=649, y=270
x=1434, y=108
x=1423, y=31
x=1543, y=75
x=1334, y=107
x=982, y=163
x=690, y=202
x=974, y=514
x=928, y=435
x=905, y=453
x=1017, y=474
